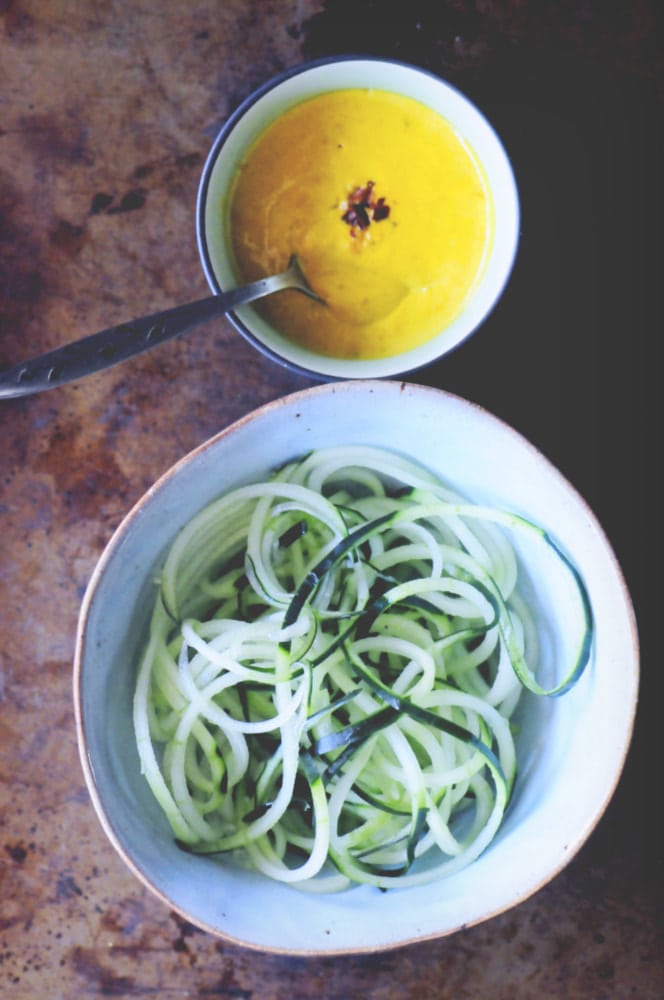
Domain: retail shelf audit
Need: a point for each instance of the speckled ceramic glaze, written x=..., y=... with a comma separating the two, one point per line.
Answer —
x=309, y=80
x=571, y=749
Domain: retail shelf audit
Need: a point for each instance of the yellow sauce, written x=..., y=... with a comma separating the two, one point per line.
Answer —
x=389, y=286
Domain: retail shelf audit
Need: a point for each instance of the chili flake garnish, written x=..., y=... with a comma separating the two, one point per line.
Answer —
x=362, y=208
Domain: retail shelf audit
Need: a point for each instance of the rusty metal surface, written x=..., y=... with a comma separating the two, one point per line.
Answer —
x=107, y=111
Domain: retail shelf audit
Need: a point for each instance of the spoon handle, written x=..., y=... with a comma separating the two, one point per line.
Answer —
x=117, y=343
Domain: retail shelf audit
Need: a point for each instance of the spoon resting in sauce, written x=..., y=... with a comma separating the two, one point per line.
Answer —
x=118, y=343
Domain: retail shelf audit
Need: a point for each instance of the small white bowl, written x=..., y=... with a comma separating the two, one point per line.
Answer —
x=571, y=749
x=282, y=93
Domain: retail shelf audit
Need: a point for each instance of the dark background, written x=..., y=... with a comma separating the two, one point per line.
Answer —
x=572, y=354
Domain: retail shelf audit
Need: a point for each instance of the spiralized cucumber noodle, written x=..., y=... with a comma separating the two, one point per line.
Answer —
x=333, y=661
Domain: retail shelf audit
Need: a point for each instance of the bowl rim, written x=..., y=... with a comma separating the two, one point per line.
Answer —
x=367, y=369
x=134, y=513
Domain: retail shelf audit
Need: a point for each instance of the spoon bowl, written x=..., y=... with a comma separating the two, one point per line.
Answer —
x=308, y=350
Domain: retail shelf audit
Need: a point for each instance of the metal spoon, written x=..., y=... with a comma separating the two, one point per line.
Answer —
x=117, y=343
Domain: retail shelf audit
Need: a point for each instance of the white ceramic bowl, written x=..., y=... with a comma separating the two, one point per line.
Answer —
x=571, y=749
x=309, y=80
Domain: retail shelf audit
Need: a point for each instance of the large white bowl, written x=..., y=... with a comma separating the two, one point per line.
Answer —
x=571, y=749
x=309, y=80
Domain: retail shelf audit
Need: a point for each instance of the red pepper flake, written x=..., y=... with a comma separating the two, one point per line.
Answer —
x=362, y=208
